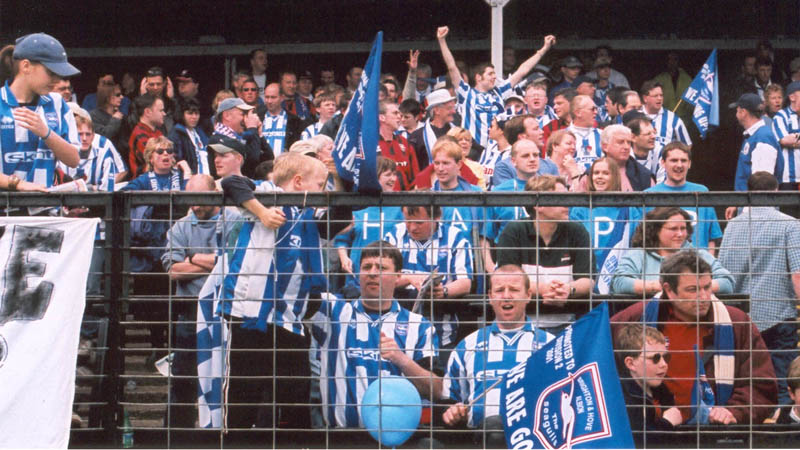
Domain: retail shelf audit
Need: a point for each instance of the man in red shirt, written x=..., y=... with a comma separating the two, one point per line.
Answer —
x=737, y=368
x=395, y=146
x=151, y=117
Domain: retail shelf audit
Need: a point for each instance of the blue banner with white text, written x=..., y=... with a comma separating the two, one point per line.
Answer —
x=356, y=145
x=703, y=93
x=568, y=394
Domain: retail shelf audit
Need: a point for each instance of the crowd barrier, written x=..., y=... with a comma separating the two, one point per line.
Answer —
x=117, y=374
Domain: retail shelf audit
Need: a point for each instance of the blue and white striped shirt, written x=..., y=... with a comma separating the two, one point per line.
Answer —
x=484, y=357
x=290, y=270
x=448, y=250
x=24, y=153
x=479, y=108
x=311, y=131
x=669, y=127
x=587, y=145
x=547, y=116
x=273, y=130
x=99, y=167
x=349, y=341
x=491, y=156
x=784, y=123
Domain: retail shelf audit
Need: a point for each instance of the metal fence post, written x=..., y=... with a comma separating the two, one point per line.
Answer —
x=116, y=362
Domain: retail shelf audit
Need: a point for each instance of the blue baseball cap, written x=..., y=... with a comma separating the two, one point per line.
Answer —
x=793, y=87
x=234, y=102
x=45, y=49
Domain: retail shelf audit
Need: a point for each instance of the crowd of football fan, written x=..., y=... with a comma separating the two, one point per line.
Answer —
x=382, y=290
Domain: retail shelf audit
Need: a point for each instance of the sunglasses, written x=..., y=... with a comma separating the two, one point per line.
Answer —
x=161, y=151
x=658, y=356
x=249, y=89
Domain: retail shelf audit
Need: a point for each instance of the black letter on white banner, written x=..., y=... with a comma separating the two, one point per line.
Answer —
x=20, y=300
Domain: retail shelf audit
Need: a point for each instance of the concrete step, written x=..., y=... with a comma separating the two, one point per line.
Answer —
x=147, y=394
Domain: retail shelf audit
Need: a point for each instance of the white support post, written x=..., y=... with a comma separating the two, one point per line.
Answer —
x=497, y=33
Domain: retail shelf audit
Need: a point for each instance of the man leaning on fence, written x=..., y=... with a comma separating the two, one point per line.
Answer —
x=553, y=251
x=761, y=248
x=736, y=379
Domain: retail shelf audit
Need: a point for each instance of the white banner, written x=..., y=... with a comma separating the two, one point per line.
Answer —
x=45, y=264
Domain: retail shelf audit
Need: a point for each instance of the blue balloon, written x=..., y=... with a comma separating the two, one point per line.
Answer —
x=391, y=408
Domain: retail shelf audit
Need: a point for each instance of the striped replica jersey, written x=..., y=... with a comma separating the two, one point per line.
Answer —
x=546, y=116
x=497, y=217
x=273, y=130
x=669, y=127
x=449, y=251
x=784, y=123
x=491, y=156
x=479, y=108
x=587, y=145
x=348, y=336
x=481, y=359
x=311, y=131
x=99, y=167
x=369, y=225
x=269, y=276
x=24, y=153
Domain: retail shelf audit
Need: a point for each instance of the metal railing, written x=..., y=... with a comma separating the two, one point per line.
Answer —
x=120, y=379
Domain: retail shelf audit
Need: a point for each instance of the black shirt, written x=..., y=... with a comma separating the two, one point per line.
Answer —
x=520, y=244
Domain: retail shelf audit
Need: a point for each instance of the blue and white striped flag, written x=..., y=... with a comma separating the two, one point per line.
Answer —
x=211, y=340
x=703, y=93
x=356, y=145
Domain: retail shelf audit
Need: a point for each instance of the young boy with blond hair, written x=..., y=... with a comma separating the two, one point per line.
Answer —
x=643, y=360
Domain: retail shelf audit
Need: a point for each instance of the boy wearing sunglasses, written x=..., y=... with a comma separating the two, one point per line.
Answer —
x=642, y=361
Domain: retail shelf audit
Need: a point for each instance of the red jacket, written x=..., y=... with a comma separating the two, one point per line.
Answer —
x=763, y=396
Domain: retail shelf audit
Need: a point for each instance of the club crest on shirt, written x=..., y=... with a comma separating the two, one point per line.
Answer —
x=572, y=410
x=52, y=119
x=746, y=148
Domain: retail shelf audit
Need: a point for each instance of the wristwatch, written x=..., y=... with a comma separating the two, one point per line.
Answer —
x=572, y=291
x=13, y=181
x=445, y=294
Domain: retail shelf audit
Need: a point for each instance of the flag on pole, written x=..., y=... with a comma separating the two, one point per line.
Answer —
x=568, y=394
x=703, y=93
x=356, y=144
x=46, y=261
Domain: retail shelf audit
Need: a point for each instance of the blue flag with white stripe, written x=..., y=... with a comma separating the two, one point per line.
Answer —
x=567, y=394
x=356, y=145
x=703, y=93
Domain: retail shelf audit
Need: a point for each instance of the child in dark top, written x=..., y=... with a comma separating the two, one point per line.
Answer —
x=790, y=414
x=642, y=359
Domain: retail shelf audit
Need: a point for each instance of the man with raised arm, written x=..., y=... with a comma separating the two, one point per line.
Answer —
x=481, y=102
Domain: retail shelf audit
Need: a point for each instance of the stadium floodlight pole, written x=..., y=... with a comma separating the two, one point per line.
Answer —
x=497, y=33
